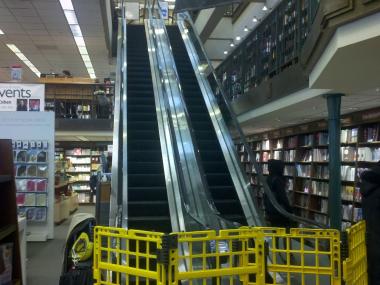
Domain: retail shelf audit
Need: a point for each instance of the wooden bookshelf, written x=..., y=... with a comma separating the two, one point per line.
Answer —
x=304, y=150
x=8, y=209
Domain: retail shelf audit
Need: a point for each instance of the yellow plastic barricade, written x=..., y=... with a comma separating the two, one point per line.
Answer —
x=227, y=257
x=355, y=266
x=127, y=256
x=302, y=256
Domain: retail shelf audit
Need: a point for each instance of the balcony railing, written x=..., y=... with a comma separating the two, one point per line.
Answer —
x=272, y=47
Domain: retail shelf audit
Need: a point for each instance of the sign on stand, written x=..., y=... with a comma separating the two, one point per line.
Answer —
x=22, y=97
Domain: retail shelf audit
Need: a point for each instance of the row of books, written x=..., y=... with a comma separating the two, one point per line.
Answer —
x=349, y=135
x=348, y=154
x=368, y=154
x=372, y=133
x=352, y=213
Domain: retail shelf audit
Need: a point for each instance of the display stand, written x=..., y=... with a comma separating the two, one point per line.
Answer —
x=22, y=239
x=32, y=134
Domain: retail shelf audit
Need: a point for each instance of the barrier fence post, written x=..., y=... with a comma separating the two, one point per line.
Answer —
x=165, y=257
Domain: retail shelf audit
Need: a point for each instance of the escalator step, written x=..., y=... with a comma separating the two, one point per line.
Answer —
x=138, y=167
x=146, y=180
x=146, y=193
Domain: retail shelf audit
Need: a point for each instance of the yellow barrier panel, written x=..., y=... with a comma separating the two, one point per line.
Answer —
x=230, y=257
x=123, y=257
x=303, y=256
x=355, y=266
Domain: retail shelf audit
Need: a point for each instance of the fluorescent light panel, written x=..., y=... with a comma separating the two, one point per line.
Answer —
x=24, y=59
x=1, y=32
x=72, y=20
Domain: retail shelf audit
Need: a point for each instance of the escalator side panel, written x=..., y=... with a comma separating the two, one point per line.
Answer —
x=210, y=152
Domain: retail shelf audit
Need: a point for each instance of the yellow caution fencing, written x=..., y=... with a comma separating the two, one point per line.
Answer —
x=230, y=257
x=355, y=266
x=302, y=256
x=248, y=256
x=123, y=257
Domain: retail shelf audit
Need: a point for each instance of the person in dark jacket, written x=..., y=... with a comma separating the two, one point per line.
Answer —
x=277, y=184
x=370, y=191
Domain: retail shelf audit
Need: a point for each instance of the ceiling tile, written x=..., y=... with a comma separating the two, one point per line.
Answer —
x=18, y=4
x=7, y=19
x=24, y=12
x=21, y=19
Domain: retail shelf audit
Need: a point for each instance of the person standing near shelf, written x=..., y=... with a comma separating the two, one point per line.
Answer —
x=370, y=191
x=277, y=184
x=103, y=103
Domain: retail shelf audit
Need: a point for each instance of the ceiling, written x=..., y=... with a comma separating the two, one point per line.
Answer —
x=225, y=30
x=310, y=110
x=40, y=30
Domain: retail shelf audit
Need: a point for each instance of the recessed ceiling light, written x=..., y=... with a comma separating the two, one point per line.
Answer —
x=24, y=59
x=377, y=89
x=66, y=5
x=232, y=44
x=225, y=52
x=246, y=29
x=265, y=8
x=254, y=19
x=238, y=38
x=72, y=20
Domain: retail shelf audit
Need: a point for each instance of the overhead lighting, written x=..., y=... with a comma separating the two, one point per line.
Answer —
x=24, y=59
x=232, y=44
x=67, y=5
x=68, y=10
x=238, y=38
x=246, y=29
x=254, y=19
x=1, y=32
x=225, y=52
x=265, y=8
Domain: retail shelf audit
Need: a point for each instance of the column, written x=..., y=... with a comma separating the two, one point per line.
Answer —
x=335, y=185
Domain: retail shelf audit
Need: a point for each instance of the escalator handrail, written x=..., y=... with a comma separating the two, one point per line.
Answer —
x=222, y=221
x=243, y=141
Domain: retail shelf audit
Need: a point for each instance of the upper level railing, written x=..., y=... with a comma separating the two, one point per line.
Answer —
x=274, y=45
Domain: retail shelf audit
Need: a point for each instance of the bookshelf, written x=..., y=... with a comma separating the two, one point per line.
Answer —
x=304, y=150
x=273, y=46
x=82, y=163
x=76, y=101
x=9, y=234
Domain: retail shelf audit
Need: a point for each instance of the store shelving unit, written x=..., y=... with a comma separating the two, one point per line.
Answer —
x=304, y=150
x=83, y=162
x=75, y=101
x=273, y=46
x=8, y=210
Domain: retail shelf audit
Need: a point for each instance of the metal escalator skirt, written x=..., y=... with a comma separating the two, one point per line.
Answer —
x=117, y=127
x=193, y=193
x=166, y=142
x=240, y=181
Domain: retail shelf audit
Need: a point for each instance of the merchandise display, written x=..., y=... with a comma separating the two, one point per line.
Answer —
x=31, y=168
x=306, y=158
x=78, y=101
x=81, y=164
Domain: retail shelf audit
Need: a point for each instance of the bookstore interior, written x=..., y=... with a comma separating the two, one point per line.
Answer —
x=170, y=117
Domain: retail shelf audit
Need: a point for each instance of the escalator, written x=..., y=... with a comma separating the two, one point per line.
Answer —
x=212, y=160
x=148, y=207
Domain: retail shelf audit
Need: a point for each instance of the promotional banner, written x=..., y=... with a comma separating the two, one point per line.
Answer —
x=187, y=5
x=22, y=97
x=164, y=6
